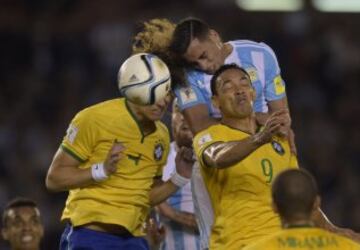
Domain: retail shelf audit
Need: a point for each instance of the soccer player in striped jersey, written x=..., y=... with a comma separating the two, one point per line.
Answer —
x=177, y=213
x=295, y=197
x=201, y=49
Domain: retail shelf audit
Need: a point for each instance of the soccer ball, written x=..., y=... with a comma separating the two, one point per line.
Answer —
x=144, y=79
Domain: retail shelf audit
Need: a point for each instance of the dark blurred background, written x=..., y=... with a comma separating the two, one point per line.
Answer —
x=57, y=57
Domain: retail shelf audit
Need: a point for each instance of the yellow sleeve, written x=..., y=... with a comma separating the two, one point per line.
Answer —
x=202, y=141
x=80, y=137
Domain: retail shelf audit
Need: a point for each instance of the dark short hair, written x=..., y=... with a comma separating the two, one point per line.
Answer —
x=294, y=192
x=221, y=70
x=15, y=203
x=185, y=31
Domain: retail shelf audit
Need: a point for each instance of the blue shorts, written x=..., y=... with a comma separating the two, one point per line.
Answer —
x=80, y=238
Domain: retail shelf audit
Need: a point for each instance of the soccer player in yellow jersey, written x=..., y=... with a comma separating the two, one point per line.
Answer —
x=240, y=189
x=111, y=161
x=239, y=162
x=295, y=197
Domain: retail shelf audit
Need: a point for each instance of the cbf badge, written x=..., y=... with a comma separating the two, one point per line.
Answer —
x=158, y=151
x=278, y=148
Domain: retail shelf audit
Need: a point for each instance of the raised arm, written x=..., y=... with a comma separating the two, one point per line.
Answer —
x=162, y=190
x=181, y=217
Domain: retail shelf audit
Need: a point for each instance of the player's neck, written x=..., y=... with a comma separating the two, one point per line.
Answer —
x=247, y=124
x=306, y=222
x=146, y=126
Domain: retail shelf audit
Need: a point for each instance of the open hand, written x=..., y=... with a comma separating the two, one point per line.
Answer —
x=113, y=157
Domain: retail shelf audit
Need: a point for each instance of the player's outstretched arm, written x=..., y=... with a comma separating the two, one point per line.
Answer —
x=162, y=190
x=226, y=154
x=64, y=172
x=322, y=221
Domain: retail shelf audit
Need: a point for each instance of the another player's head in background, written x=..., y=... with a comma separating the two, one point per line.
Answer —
x=21, y=225
x=180, y=129
x=197, y=45
x=295, y=197
x=232, y=92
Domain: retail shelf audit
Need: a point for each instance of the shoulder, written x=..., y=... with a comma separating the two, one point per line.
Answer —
x=193, y=76
x=208, y=135
x=252, y=45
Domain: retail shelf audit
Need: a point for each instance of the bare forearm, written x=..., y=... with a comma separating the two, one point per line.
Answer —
x=66, y=178
x=181, y=217
x=161, y=192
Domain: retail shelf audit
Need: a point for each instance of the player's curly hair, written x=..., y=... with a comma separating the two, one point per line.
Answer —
x=155, y=37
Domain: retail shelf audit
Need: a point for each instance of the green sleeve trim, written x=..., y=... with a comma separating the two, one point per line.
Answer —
x=70, y=152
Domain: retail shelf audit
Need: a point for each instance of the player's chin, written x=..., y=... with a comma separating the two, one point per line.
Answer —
x=155, y=116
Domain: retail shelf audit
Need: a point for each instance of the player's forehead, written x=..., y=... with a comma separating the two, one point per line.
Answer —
x=25, y=212
x=230, y=75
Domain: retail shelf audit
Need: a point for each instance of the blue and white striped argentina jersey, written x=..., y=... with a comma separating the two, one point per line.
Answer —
x=176, y=236
x=258, y=59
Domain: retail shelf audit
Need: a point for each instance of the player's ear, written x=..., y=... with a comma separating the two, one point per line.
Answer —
x=253, y=93
x=274, y=207
x=214, y=36
x=317, y=203
x=42, y=231
x=5, y=234
x=215, y=101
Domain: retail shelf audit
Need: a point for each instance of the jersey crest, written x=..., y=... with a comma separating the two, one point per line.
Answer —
x=187, y=95
x=158, y=151
x=278, y=147
x=252, y=71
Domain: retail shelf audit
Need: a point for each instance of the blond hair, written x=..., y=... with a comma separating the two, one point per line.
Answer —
x=155, y=37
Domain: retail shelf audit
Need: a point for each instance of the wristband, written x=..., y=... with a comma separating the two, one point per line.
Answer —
x=98, y=172
x=179, y=180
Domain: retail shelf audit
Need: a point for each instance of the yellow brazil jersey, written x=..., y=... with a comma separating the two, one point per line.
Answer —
x=305, y=238
x=240, y=194
x=123, y=199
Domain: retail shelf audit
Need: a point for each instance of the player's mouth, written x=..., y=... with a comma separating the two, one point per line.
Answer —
x=157, y=112
x=240, y=99
x=27, y=238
